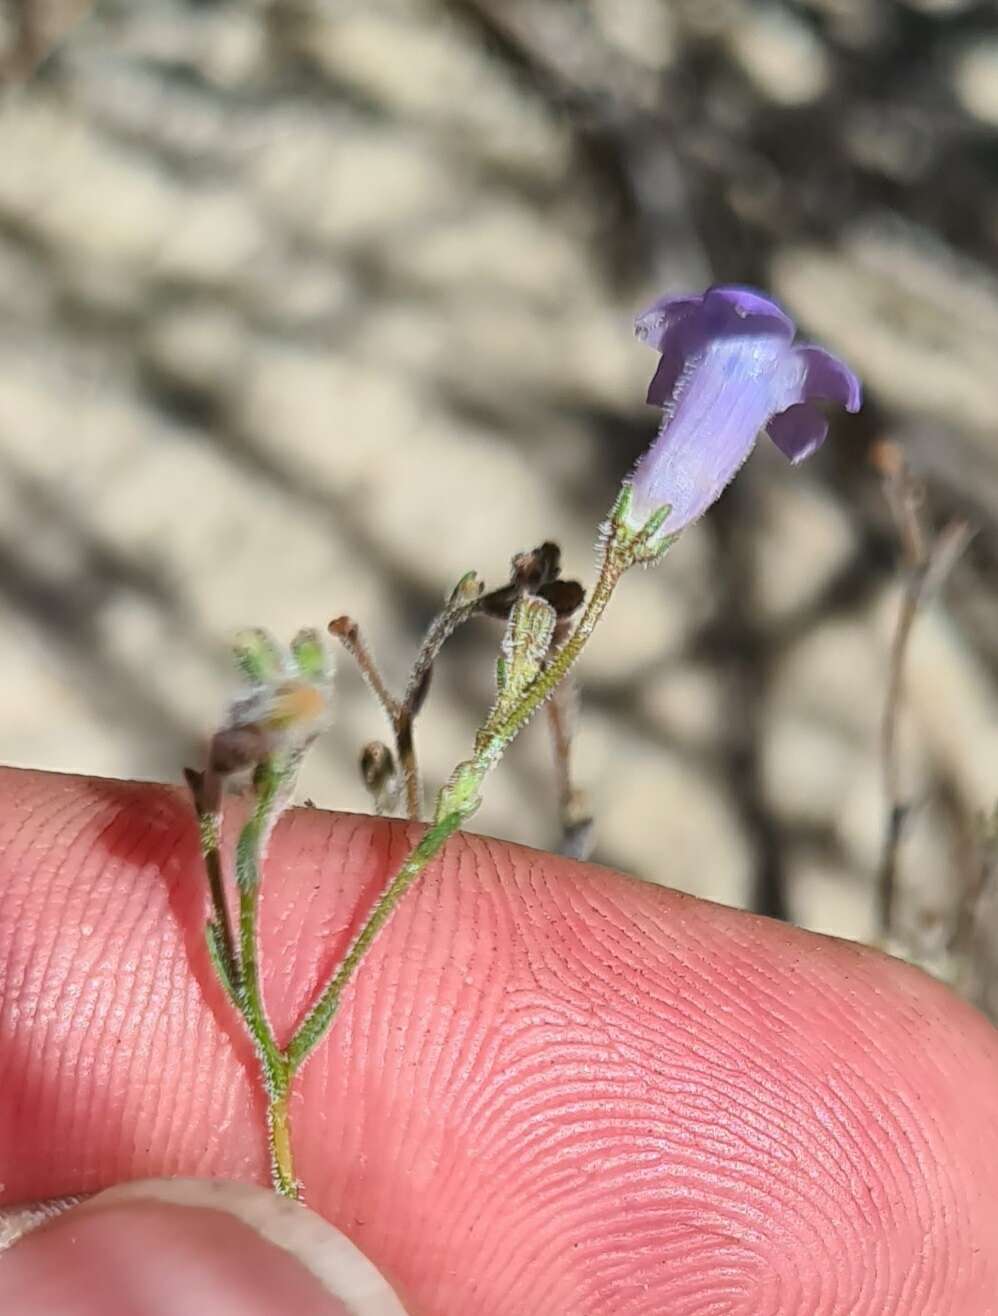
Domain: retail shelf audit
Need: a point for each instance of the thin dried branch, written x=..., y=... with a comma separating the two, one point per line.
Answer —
x=347, y=631
x=401, y=713
x=535, y=572
x=966, y=940
x=574, y=806
x=206, y=795
x=926, y=560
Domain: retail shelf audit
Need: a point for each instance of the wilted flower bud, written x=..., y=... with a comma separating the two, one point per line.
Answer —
x=536, y=572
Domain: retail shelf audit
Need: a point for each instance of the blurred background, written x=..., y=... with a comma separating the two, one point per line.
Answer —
x=308, y=307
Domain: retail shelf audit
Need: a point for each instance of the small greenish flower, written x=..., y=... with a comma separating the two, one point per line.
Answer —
x=286, y=703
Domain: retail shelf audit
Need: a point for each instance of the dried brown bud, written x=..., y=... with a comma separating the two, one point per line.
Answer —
x=237, y=748
x=344, y=628
x=377, y=769
x=377, y=765
x=538, y=567
x=565, y=596
x=498, y=603
x=537, y=572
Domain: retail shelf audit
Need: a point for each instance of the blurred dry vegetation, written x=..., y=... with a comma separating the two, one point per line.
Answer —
x=310, y=307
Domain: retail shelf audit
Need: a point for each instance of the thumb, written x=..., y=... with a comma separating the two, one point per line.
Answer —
x=171, y=1247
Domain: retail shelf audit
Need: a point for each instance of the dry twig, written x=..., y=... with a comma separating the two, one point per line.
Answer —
x=926, y=561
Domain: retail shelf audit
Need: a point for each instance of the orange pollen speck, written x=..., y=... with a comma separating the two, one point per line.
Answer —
x=296, y=702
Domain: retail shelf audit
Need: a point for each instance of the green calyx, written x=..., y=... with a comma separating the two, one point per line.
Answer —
x=646, y=544
x=525, y=646
x=462, y=793
x=258, y=656
x=311, y=655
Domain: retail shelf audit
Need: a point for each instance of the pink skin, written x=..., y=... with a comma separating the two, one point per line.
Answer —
x=119, y=1261
x=552, y=1089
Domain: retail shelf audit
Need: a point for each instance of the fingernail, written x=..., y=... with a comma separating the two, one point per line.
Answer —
x=172, y=1247
x=15, y=1221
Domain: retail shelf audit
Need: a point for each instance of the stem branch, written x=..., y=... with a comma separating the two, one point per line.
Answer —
x=221, y=942
x=457, y=802
x=313, y=1027
x=405, y=748
x=492, y=741
x=574, y=809
x=496, y=735
x=273, y=1061
x=400, y=714
x=897, y=807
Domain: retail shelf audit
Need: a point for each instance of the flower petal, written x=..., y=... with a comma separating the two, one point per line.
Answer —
x=655, y=325
x=676, y=359
x=748, y=309
x=828, y=377
x=799, y=431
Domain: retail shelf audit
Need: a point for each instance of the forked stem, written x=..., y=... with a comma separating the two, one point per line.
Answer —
x=398, y=712
x=460, y=799
x=402, y=713
x=239, y=968
x=315, y=1024
x=275, y=1068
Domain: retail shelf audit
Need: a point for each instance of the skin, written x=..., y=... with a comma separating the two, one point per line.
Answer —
x=148, y=1259
x=552, y=1089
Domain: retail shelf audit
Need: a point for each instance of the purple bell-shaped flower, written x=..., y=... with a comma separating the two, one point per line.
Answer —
x=729, y=370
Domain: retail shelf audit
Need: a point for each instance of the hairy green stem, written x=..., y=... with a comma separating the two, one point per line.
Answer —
x=273, y=1061
x=279, y=1133
x=315, y=1024
x=248, y=878
x=488, y=750
x=221, y=944
x=456, y=803
x=495, y=736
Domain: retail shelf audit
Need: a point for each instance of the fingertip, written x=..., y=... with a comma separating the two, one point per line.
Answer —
x=172, y=1247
